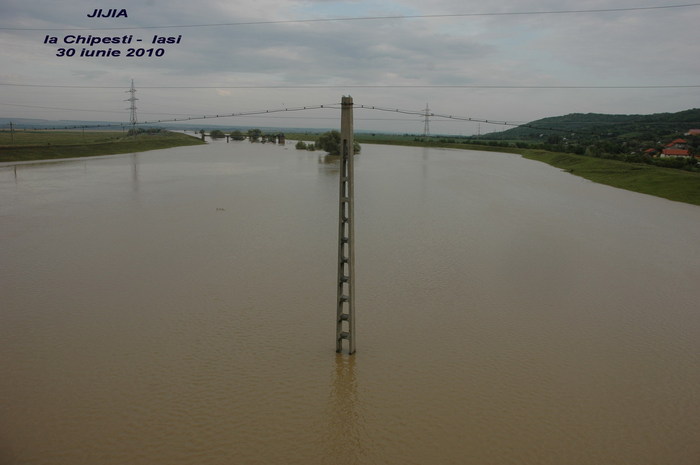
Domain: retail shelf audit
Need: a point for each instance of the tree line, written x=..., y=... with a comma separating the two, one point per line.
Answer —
x=253, y=135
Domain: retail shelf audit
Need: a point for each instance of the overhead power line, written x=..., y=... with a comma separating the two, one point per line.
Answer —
x=373, y=18
x=369, y=86
x=426, y=113
x=242, y=113
x=58, y=108
x=335, y=106
x=202, y=117
x=189, y=114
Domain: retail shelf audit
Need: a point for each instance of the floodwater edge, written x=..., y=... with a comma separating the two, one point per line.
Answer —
x=111, y=144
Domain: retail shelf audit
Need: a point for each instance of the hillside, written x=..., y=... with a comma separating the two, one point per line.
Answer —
x=583, y=126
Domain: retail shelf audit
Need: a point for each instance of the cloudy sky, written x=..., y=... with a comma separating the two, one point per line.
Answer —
x=461, y=57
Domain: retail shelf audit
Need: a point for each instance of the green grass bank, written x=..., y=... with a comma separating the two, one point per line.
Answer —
x=672, y=184
x=51, y=145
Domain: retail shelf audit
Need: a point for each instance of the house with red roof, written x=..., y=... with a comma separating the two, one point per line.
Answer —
x=678, y=144
x=677, y=148
x=675, y=153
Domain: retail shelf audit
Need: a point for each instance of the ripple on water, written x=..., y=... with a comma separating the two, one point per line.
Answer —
x=507, y=313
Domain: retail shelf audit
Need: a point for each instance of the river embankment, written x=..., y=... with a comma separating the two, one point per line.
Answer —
x=52, y=145
x=668, y=183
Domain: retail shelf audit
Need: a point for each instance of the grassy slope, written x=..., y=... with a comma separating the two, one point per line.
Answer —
x=29, y=146
x=678, y=185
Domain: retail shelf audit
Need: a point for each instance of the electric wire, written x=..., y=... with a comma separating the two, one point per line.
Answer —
x=371, y=86
x=422, y=113
x=334, y=106
x=202, y=117
x=375, y=18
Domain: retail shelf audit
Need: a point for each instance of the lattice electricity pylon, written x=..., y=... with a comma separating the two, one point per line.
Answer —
x=132, y=99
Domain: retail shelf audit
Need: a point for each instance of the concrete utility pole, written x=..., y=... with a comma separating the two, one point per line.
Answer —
x=426, y=121
x=345, y=315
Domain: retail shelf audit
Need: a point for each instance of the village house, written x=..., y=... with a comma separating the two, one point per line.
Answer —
x=672, y=152
x=677, y=148
x=677, y=144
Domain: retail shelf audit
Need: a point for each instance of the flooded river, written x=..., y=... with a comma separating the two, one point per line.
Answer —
x=178, y=307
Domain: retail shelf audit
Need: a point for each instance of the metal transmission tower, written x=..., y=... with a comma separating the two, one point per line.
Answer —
x=426, y=121
x=132, y=99
x=345, y=315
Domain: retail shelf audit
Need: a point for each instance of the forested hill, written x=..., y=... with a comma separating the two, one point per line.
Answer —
x=584, y=125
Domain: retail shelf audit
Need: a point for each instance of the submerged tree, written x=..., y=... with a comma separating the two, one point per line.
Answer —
x=254, y=134
x=330, y=142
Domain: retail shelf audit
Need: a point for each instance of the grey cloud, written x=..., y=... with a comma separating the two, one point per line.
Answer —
x=578, y=49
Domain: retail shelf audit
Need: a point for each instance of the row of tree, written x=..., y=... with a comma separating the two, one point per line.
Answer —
x=612, y=149
x=134, y=132
x=253, y=135
x=328, y=141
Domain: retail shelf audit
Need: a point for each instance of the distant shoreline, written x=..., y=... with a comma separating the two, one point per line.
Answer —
x=668, y=183
x=52, y=145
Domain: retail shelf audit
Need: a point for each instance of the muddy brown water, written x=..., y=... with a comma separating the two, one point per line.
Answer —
x=178, y=307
